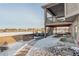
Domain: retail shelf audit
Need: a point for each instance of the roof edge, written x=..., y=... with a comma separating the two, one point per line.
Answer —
x=48, y=5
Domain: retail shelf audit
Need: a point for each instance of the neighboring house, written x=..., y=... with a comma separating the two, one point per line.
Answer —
x=62, y=15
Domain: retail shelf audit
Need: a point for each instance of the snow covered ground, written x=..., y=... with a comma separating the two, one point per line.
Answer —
x=13, y=48
x=46, y=42
x=13, y=33
x=42, y=44
x=24, y=49
x=51, y=46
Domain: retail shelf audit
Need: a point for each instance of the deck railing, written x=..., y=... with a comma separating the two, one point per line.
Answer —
x=55, y=20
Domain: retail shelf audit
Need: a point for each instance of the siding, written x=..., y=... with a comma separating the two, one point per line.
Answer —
x=71, y=8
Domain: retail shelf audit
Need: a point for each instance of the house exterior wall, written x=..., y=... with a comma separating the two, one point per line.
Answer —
x=74, y=34
x=71, y=9
x=73, y=26
x=78, y=30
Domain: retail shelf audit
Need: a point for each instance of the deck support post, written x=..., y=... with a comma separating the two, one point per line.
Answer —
x=45, y=19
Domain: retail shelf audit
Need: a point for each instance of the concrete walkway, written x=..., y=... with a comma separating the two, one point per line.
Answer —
x=24, y=49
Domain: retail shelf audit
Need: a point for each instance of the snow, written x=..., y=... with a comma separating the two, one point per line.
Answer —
x=49, y=46
x=23, y=46
x=13, y=48
x=44, y=43
x=13, y=33
x=52, y=46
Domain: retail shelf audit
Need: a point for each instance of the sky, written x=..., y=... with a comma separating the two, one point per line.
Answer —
x=21, y=15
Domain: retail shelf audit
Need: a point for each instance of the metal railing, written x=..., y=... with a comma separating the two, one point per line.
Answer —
x=55, y=20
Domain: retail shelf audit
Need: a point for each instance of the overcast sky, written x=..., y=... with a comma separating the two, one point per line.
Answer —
x=21, y=16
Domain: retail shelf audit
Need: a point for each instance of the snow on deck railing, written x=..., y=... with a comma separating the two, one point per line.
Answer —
x=14, y=33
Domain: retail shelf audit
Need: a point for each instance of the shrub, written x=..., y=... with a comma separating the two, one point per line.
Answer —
x=63, y=39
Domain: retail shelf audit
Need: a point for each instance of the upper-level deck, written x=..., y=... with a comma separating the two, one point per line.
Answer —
x=57, y=22
x=60, y=13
